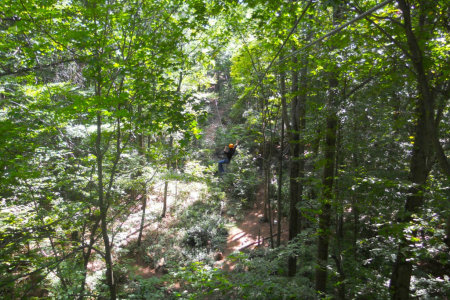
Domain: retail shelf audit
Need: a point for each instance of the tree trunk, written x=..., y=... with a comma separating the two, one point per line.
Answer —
x=104, y=210
x=327, y=187
x=143, y=189
x=328, y=173
x=269, y=206
x=268, y=179
x=420, y=163
x=169, y=167
x=280, y=159
x=355, y=211
x=339, y=226
x=166, y=183
x=402, y=271
x=297, y=155
x=86, y=257
x=141, y=227
x=294, y=216
x=302, y=126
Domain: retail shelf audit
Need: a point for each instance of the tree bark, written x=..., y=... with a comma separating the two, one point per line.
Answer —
x=104, y=210
x=327, y=185
x=328, y=174
x=355, y=210
x=143, y=188
x=166, y=183
x=293, y=169
x=141, y=227
x=420, y=163
x=87, y=256
x=269, y=206
x=280, y=159
x=339, y=226
x=302, y=127
x=327, y=194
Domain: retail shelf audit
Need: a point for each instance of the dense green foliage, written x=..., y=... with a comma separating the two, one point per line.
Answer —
x=108, y=108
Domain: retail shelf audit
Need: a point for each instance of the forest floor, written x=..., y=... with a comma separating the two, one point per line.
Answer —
x=251, y=232
x=247, y=233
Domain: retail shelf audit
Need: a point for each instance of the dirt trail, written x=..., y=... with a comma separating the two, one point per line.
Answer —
x=216, y=122
x=244, y=234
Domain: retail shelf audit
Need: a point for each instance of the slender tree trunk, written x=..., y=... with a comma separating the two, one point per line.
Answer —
x=169, y=167
x=143, y=188
x=328, y=174
x=268, y=178
x=280, y=160
x=265, y=163
x=327, y=187
x=294, y=216
x=87, y=256
x=339, y=234
x=103, y=211
x=163, y=213
x=447, y=232
x=297, y=155
x=339, y=203
x=141, y=227
x=166, y=183
x=315, y=147
x=355, y=211
x=341, y=276
x=269, y=206
x=302, y=126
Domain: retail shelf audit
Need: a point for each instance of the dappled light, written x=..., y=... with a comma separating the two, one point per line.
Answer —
x=205, y=149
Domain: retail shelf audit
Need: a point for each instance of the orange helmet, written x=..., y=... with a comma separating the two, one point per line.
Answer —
x=230, y=146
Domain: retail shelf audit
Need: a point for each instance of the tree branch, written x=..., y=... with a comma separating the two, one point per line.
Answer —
x=35, y=68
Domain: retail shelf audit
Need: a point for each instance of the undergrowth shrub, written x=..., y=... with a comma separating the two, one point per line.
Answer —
x=201, y=281
x=210, y=233
x=146, y=288
x=241, y=181
x=255, y=276
x=261, y=274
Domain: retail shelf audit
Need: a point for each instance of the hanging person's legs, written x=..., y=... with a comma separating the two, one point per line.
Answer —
x=224, y=161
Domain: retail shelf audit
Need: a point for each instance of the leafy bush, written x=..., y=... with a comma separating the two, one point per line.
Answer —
x=241, y=179
x=146, y=288
x=201, y=280
x=204, y=225
x=254, y=277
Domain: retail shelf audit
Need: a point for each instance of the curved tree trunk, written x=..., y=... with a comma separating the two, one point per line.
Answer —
x=420, y=163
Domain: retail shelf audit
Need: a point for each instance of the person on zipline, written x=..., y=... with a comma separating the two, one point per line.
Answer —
x=229, y=151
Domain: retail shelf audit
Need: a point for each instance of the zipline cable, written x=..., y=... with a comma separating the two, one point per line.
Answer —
x=331, y=33
x=263, y=75
x=287, y=38
x=336, y=30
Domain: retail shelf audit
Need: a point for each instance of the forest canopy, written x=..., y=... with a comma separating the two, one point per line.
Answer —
x=114, y=115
